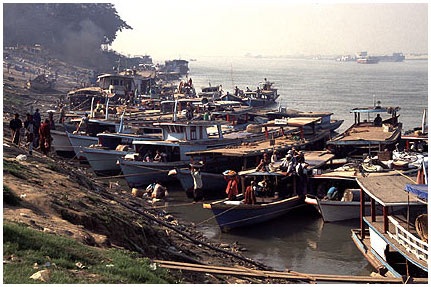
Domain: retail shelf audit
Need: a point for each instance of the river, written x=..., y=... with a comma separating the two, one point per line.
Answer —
x=324, y=85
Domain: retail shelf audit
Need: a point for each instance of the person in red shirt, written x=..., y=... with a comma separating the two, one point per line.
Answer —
x=45, y=137
x=232, y=188
x=250, y=197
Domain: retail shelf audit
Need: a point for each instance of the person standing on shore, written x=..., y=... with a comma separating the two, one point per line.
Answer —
x=62, y=114
x=45, y=137
x=29, y=132
x=36, y=120
x=51, y=121
x=15, y=125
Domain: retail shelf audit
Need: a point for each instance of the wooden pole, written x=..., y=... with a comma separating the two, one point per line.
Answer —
x=373, y=210
x=385, y=219
x=362, y=198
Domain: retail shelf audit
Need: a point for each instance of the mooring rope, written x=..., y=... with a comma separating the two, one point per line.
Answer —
x=215, y=216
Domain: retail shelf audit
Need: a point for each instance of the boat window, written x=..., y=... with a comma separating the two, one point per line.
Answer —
x=114, y=82
x=200, y=132
x=193, y=133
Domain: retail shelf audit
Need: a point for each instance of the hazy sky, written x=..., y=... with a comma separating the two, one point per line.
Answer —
x=169, y=28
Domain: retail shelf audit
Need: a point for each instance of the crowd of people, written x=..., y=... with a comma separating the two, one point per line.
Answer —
x=37, y=133
x=293, y=164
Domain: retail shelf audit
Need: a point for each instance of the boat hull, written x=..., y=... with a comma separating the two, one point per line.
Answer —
x=334, y=210
x=141, y=174
x=233, y=216
x=61, y=144
x=212, y=182
x=103, y=162
x=78, y=141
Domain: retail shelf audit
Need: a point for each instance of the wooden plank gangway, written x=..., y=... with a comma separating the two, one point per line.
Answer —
x=287, y=275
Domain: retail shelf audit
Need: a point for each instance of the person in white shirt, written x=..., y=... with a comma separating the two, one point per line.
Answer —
x=197, y=183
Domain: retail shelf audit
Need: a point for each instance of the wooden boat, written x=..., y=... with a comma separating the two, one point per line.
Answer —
x=213, y=179
x=347, y=207
x=416, y=139
x=179, y=138
x=234, y=213
x=325, y=118
x=389, y=242
x=60, y=142
x=103, y=157
x=84, y=139
x=364, y=135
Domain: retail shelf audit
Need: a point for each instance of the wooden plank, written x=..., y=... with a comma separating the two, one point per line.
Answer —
x=274, y=274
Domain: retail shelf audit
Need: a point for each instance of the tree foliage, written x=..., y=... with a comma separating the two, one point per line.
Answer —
x=50, y=23
x=75, y=31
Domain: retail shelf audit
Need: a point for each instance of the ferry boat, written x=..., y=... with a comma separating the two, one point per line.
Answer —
x=178, y=139
x=346, y=205
x=365, y=135
x=391, y=243
x=104, y=156
x=325, y=118
x=367, y=60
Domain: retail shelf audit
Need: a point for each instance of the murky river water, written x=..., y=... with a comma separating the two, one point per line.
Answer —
x=299, y=240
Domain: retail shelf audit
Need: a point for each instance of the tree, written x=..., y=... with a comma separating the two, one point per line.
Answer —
x=73, y=30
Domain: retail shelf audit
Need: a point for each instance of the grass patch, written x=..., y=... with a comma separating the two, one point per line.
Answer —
x=9, y=197
x=55, y=167
x=102, y=266
x=15, y=168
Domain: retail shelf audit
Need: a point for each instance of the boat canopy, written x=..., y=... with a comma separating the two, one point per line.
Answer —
x=388, y=110
x=421, y=190
x=155, y=143
x=253, y=172
x=388, y=190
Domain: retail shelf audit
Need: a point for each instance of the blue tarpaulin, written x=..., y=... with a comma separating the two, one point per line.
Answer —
x=421, y=190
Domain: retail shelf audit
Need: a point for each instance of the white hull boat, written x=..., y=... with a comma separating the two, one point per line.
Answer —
x=61, y=144
x=141, y=174
x=77, y=141
x=103, y=161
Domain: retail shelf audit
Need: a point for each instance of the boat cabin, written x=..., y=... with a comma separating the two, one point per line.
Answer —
x=96, y=126
x=187, y=131
x=178, y=138
x=82, y=98
x=210, y=92
x=393, y=119
x=117, y=84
